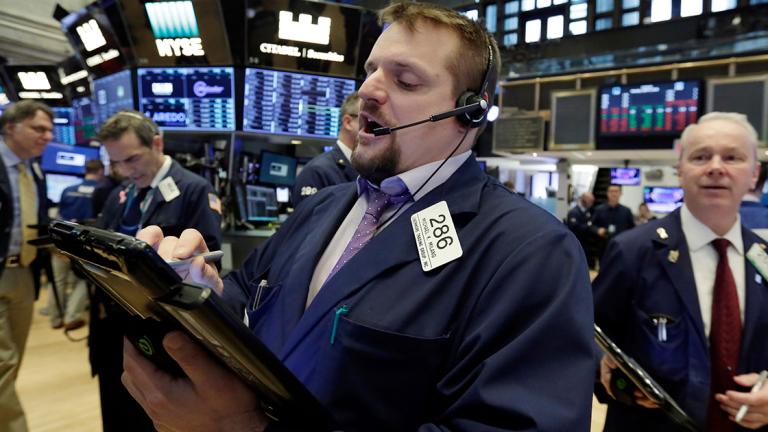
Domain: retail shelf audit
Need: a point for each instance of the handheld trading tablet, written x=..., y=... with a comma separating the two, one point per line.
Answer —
x=640, y=378
x=140, y=281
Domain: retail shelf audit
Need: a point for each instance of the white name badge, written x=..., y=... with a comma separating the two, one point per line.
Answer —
x=168, y=189
x=757, y=256
x=436, y=238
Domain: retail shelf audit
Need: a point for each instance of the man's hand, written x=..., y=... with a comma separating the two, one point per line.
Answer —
x=607, y=365
x=190, y=243
x=212, y=398
x=731, y=401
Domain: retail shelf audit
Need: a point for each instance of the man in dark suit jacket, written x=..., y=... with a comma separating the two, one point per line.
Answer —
x=332, y=167
x=388, y=332
x=157, y=191
x=667, y=295
x=27, y=127
x=579, y=220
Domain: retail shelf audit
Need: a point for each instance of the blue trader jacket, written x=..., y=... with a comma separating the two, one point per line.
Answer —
x=328, y=169
x=75, y=204
x=646, y=274
x=497, y=340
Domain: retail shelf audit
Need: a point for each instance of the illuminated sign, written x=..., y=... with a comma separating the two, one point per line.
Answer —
x=175, y=28
x=40, y=95
x=34, y=81
x=303, y=30
x=91, y=35
x=66, y=79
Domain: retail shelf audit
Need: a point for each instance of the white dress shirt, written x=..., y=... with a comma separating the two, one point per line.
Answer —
x=704, y=259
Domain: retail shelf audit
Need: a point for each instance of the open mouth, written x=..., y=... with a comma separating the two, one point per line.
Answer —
x=369, y=123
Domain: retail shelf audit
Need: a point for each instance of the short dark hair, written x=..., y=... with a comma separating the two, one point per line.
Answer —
x=94, y=166
x=350, y=104
x=23, y=110
x=125, y=121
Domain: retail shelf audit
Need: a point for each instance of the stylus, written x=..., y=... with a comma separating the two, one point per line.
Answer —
x=211, y=256
x=755, y=388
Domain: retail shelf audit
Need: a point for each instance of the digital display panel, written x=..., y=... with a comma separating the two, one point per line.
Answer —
x=56, y=183
x=663, y=199
x=38, y=82
x=648, y=109
x=189, y=98
x=275, y=168
x=177, y=32
x=111, y=94
x=85, y=119
x=303, y=36
x=91, y=35
x=293, y=104
x=625, y=176
x=64, y=126
x=62, y=158
x=261, y=203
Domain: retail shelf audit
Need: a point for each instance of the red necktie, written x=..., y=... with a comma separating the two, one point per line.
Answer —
x=724, y=339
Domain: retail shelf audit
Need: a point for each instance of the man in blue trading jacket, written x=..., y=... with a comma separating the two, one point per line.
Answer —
x=333, y=167
x=157, y=191
x=579, y=220
x=26, y=128
x=685, y=295
x=610, y=218
x=66, y=306
x=486, y=326
x=754, y=214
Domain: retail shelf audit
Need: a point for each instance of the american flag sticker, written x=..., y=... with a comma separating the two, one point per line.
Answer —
x=214, y=202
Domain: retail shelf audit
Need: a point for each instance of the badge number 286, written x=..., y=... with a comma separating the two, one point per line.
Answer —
x=436, y=239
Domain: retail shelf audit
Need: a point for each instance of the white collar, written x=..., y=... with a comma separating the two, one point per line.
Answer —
x=162, y=172
x=698, y=235
x=416, y=177
x=344, y=149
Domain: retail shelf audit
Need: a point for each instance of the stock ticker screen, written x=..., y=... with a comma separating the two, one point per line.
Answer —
x=64, y=126
x=111, y=94
x=85, y=119
x=648, y=109
x=188, y=98
x=289, y=103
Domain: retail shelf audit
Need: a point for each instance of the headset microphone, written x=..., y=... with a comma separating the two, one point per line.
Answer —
x=481, y=104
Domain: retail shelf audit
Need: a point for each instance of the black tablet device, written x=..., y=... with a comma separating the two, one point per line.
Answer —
x=138, y=279
x=630, y=369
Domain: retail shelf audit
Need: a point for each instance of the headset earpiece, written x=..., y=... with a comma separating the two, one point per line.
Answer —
x=475, y=118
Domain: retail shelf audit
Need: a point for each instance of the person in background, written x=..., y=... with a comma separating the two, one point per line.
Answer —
x=67, y=300
x=610, y=218
x=579, y=220
x=643, y=214
x=26, y=127
x=332, y=167
x=471, y=341
x=754, y=214
x=685, y=295
x=157, y=191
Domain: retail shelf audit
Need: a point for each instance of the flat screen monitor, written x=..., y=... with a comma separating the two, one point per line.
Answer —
x=37, y=82
x=56, y=183
x=306, y=36
x=85, y=119
x=93, y=39
x=625, y=176
x=283, y=194
x=637, y=110
x=64, y=126
x=277, y=169
x=663, y=199
x=261, y=203
x=188, y=98
x=111, y=94
x=67, y=159
x=287, y=103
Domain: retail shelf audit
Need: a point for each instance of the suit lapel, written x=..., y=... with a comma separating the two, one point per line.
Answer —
x=755, y=295
x=393, y=246
x=157, y=196
x=672, y=252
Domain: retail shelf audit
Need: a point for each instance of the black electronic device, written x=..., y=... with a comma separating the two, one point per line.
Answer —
x=140, y=281
x=111, y=94
x=192, y=99
x=277, y=169
x=38, y=82
x=640, y=379
x=91, y=35
x=288, y=103
x=650, y=109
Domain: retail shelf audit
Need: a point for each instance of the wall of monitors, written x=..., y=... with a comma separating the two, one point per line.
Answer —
x=111, y=94
x=188, y=98
x=289, y=103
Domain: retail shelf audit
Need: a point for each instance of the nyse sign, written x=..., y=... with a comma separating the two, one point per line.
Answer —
x=180, y=47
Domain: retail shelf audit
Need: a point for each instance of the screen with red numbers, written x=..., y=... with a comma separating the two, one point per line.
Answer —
x=663, y=108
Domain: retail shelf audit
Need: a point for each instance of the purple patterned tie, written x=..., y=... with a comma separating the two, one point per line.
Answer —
x=393, y=191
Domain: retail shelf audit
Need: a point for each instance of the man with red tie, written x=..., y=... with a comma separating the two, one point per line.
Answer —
x=686, y=295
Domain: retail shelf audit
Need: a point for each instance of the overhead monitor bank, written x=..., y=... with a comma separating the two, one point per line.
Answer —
x=91, y=35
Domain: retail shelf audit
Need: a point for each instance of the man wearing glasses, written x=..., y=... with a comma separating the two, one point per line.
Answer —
x=157, y=191
x=26, y=129
x=333, y=167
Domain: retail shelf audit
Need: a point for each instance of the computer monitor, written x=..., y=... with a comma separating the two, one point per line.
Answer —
x=662, y=199
x=277, y=169
x=67, y=159
x=188, y=98
x=64, y=126
x=283, y=194
x=85, y=119
x=111, y=94
x=56, y=183
x=261, y=203
x=625, y=176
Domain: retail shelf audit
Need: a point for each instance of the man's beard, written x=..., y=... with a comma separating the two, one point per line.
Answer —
x=378, y=167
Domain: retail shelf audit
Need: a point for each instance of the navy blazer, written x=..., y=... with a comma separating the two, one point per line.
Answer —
x=327, y=169
x=497, y=340
x=643, y=276
x=6, y=213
